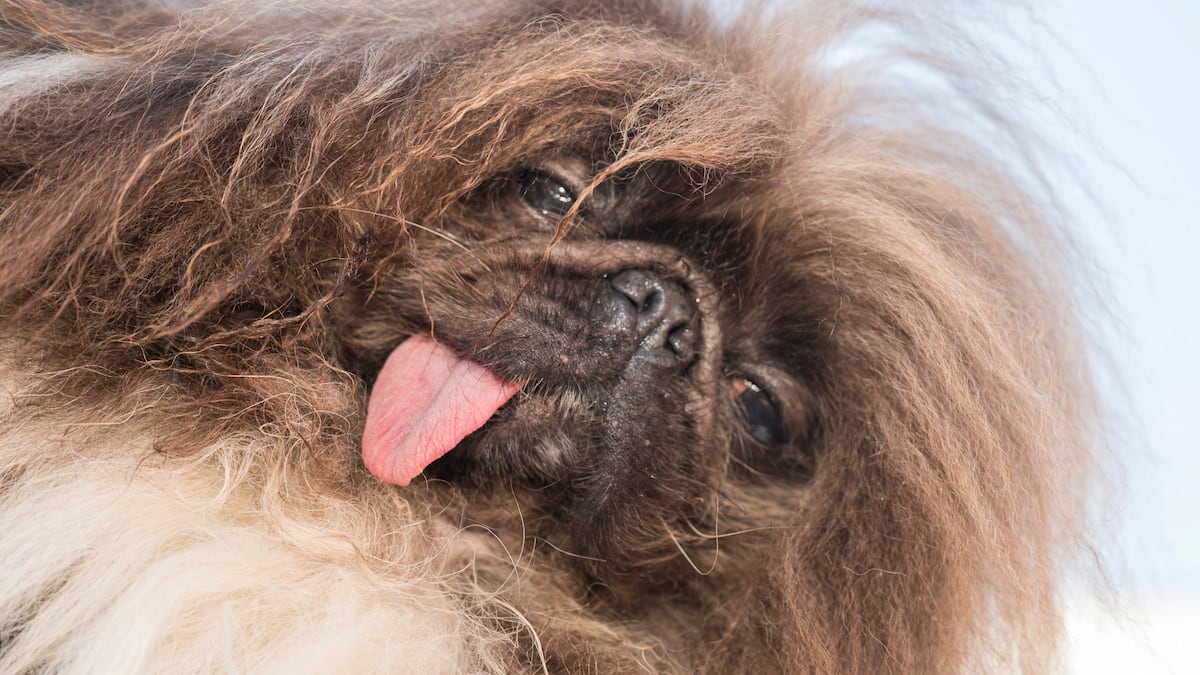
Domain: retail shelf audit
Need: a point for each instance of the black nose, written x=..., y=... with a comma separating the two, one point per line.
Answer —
x=663, y=316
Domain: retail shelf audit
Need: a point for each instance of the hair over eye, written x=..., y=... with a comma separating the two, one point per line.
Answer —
x=542, y=192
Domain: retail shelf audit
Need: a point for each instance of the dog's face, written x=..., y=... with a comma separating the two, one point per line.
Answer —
x=652, y=367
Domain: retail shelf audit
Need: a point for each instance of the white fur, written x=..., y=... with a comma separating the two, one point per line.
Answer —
x=24, y=76
x=116, y=562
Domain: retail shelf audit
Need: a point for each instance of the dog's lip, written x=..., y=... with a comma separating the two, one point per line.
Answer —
x=425, y=401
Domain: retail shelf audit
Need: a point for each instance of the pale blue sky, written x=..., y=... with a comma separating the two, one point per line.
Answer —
x=1133, y=69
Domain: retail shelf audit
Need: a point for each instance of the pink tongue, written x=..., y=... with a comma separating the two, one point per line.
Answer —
x=426, y=399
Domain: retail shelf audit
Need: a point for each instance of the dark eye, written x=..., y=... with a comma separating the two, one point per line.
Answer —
x=545, y=193
x=759, y=412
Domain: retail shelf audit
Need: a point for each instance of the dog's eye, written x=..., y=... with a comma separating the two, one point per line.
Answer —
x=545, y=193
x=759, y=412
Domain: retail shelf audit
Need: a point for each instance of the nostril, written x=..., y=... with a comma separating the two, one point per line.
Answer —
x=639, y=288
x=664, y=321
x=650, y=303
x=682, y=341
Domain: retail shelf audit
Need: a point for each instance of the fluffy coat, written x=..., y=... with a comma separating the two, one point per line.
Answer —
x=216, y=221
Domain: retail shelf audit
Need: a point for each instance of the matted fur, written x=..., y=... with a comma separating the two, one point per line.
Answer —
x=213, y=220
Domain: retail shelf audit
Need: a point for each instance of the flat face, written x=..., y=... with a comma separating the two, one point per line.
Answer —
x=650, y=366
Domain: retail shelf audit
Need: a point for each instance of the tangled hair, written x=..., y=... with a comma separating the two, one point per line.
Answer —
x=208, y=215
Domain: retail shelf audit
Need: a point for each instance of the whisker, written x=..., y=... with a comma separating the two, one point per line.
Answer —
x=688, y=558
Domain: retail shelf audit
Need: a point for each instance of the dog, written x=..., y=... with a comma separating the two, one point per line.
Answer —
x=522, y=336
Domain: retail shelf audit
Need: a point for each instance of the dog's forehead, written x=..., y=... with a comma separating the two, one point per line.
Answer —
x=555, y=84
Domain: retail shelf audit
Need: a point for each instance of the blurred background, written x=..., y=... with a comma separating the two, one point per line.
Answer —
x=1132, y=70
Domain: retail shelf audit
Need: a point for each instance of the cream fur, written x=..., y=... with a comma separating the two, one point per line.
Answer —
x=28, y=75
x=120, y=563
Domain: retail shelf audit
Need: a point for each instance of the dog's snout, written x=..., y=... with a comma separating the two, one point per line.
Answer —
x=664, y=315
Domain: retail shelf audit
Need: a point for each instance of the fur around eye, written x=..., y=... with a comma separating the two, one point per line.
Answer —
x=759, y=412
x=543, y=192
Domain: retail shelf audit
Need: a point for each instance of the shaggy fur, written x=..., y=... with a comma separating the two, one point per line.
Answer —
x=216, y=222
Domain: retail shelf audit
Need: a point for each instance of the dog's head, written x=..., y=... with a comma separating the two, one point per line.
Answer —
x=621, y=315
x=689, y=307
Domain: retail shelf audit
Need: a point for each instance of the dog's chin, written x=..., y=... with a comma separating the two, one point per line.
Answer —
x=536, y=440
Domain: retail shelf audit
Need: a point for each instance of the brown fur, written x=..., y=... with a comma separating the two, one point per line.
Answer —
x=221, y=236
